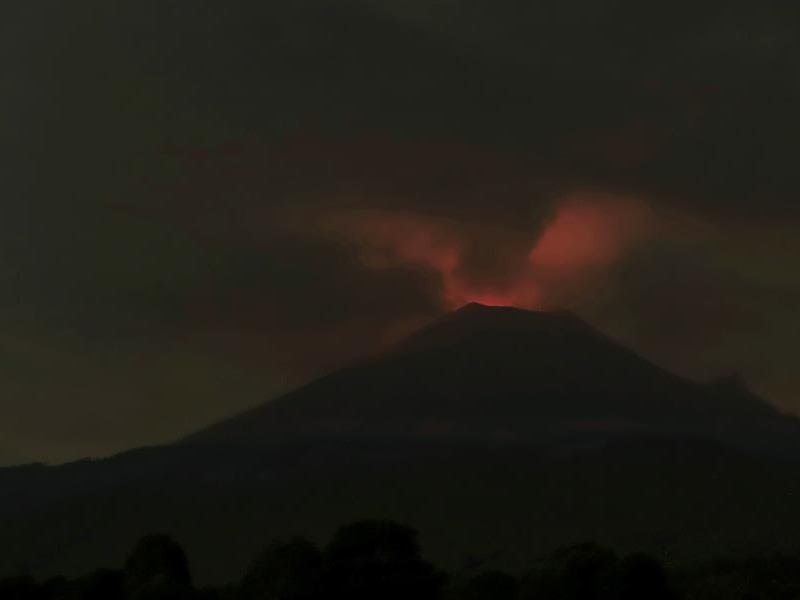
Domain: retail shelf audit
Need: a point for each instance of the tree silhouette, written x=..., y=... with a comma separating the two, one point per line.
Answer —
x=157, y=569
x=103, y=584
x=757, y=578
x=489, y=585
x=378, y=559
x=284, y=571
x=582, y=572
x=642, y=576
x=19, y=588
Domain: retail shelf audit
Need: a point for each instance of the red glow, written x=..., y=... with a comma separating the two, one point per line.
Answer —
x=589, y=233
x=586, y=235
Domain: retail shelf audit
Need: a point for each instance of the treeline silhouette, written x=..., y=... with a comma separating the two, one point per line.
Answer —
x=381, y=560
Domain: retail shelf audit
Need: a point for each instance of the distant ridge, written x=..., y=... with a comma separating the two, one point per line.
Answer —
x=490, y=429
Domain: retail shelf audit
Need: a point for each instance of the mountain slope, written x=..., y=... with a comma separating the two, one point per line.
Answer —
x=495, y=431
x=501, y=373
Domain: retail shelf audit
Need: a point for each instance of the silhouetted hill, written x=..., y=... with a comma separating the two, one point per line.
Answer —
x=683, y=500
x=494, y=431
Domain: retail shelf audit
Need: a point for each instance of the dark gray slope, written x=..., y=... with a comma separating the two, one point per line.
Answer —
x=502, y=373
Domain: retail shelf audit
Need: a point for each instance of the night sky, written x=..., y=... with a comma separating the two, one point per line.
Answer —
x=205, y=203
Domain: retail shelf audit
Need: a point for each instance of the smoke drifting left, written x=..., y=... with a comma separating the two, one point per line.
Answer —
x=581, y=241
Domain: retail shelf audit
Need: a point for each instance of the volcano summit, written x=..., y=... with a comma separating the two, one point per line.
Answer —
x=505, y=374
x=494, y=431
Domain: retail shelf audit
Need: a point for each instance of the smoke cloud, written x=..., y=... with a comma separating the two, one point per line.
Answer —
x=581, y=241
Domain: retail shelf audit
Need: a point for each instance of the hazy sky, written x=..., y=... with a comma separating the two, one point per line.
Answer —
x=204, y=202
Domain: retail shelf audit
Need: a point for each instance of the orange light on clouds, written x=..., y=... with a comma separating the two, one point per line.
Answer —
x=590, y=232
x=586, y=235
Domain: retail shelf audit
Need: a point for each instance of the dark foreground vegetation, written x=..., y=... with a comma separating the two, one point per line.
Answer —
x=381, y=560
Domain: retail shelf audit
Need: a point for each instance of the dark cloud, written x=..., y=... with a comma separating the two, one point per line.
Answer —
x=710, y=306
x=171, y=173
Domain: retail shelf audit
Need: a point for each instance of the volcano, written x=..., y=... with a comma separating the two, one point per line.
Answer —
x=505, y=374
x=494, y=431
